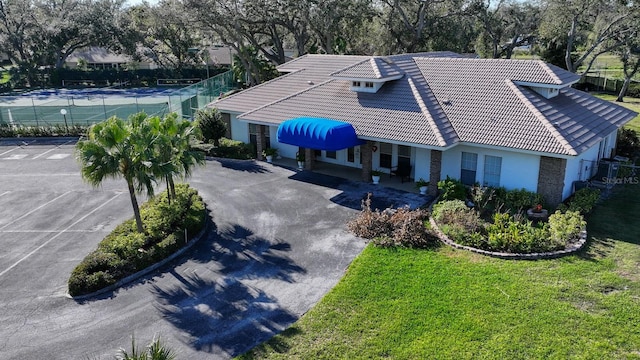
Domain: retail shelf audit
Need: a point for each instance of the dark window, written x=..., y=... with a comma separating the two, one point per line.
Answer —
x=351, y=154
x=368, y=84
x=330, y=154
x=468, y=168
x=385, y=155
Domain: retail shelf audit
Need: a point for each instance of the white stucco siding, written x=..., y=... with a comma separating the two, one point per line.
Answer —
x=517, y=171
x=422, y=163
x=580, y=168
x=239, y=129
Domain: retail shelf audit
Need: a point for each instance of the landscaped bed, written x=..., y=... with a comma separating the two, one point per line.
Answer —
x=126, y=251
x=405, y=303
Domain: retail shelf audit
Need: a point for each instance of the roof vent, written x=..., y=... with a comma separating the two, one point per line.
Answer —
x=446, y=101
x=310, y=82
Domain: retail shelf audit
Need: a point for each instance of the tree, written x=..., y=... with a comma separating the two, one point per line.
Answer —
x=115, y=149
x=505, y=26
x=593, y=26
x=174, y=155
x=629, y=53
x=211, y=125
x=164, y=33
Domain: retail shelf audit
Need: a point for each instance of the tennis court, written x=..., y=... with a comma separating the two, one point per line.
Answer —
x=50, y=107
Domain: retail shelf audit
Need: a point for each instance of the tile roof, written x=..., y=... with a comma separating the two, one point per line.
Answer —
x=372, y=68
x=441, y=100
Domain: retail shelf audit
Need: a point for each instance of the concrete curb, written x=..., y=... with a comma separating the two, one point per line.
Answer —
x=147, y=270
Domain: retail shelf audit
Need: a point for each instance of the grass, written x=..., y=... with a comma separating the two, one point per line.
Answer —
x=452, y=304
x=5, y=77
x=629, y=103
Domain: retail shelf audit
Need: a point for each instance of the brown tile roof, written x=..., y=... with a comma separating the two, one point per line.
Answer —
x=440, y=101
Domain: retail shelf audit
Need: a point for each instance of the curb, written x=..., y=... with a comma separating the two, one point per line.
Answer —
x=146, y=270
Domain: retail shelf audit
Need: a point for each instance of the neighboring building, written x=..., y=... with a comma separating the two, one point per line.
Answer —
x=511, y=123
x=102, y=58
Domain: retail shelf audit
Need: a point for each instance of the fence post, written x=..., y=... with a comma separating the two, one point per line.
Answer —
x=104, y=107
x=35, y=113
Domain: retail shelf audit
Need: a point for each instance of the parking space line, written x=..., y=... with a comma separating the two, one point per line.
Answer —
x=44, y=153
x=57, y=235
x=8, y=151
x=34, y=210
x=46, y=231
x=4, y=193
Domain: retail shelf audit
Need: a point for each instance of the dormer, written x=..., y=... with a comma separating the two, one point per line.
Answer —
x=369, y=75
x=548, y=80
x=547, y=91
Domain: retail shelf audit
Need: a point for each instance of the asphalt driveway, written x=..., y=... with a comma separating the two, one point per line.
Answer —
x=277, y=244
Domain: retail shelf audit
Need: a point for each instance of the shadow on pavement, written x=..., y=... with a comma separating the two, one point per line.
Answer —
x=225, y=316
x=354, y=192
x=243, y=165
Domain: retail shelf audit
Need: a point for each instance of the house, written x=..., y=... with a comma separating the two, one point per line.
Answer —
x=511, y=123
x=102, y=58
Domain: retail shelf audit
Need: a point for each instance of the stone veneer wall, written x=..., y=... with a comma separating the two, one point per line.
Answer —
x=551, y=179
x=261, y=140
x=367, y=161
x=435, y=169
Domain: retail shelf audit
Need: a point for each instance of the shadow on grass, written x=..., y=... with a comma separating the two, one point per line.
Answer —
x=279, y=344
x=249, y=166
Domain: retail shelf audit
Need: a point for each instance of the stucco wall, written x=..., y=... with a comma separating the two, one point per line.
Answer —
x=239, y=129
x=421, y=163
x=518, y=170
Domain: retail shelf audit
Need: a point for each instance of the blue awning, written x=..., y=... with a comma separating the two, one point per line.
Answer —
x=318, y=134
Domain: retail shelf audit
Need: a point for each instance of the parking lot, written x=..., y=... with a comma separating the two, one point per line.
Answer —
x=278, y=242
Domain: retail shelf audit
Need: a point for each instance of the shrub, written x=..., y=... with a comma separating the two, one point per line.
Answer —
x=392, y=227
x=584, y=200
x=512, y=235
x=211, y=125
x=452, y=189
x=628, y=143
x=457, y=214
x=232, y=149
x=564, y=227
x=516, y=201
x=125, y=251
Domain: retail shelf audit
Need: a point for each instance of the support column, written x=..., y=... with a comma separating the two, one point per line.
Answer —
x=551, y=179
x=367, y=161
x=309, y=158
x=435, y=169
x=261, y=141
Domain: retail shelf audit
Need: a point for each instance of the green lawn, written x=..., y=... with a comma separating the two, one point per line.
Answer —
x=452, y=304
x=4, y=77
x=630, y=103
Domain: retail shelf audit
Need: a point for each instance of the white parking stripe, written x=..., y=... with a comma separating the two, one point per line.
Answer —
x=8, y=151
x=34, y=210
x=44, y=153
x=58, y=156
x=4, y=193
x=56, y=235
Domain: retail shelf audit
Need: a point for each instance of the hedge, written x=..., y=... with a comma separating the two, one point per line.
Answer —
x=125, y=251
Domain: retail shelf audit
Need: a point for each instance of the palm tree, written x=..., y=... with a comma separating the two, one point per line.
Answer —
x=116, y=149
x=174, y=154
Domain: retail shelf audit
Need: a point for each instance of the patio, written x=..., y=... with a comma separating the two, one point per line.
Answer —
x=349, y=173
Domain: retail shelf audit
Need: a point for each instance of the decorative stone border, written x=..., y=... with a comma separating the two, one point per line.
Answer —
x=573, y=247
x=147, y=270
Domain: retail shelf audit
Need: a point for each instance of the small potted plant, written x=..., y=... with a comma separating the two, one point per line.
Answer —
x=422, y=186
x=375, y=176
x=269, y=153
x=536, y=212
x=300, y=158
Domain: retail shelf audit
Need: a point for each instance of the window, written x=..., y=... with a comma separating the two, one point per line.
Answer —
x=468, y=168
x=330, y=154
x=253, y=137
x=385, y=155
x=404, y=155
x=492, y=168
x=351, y=154
x=368, y=84
x=356, y=84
